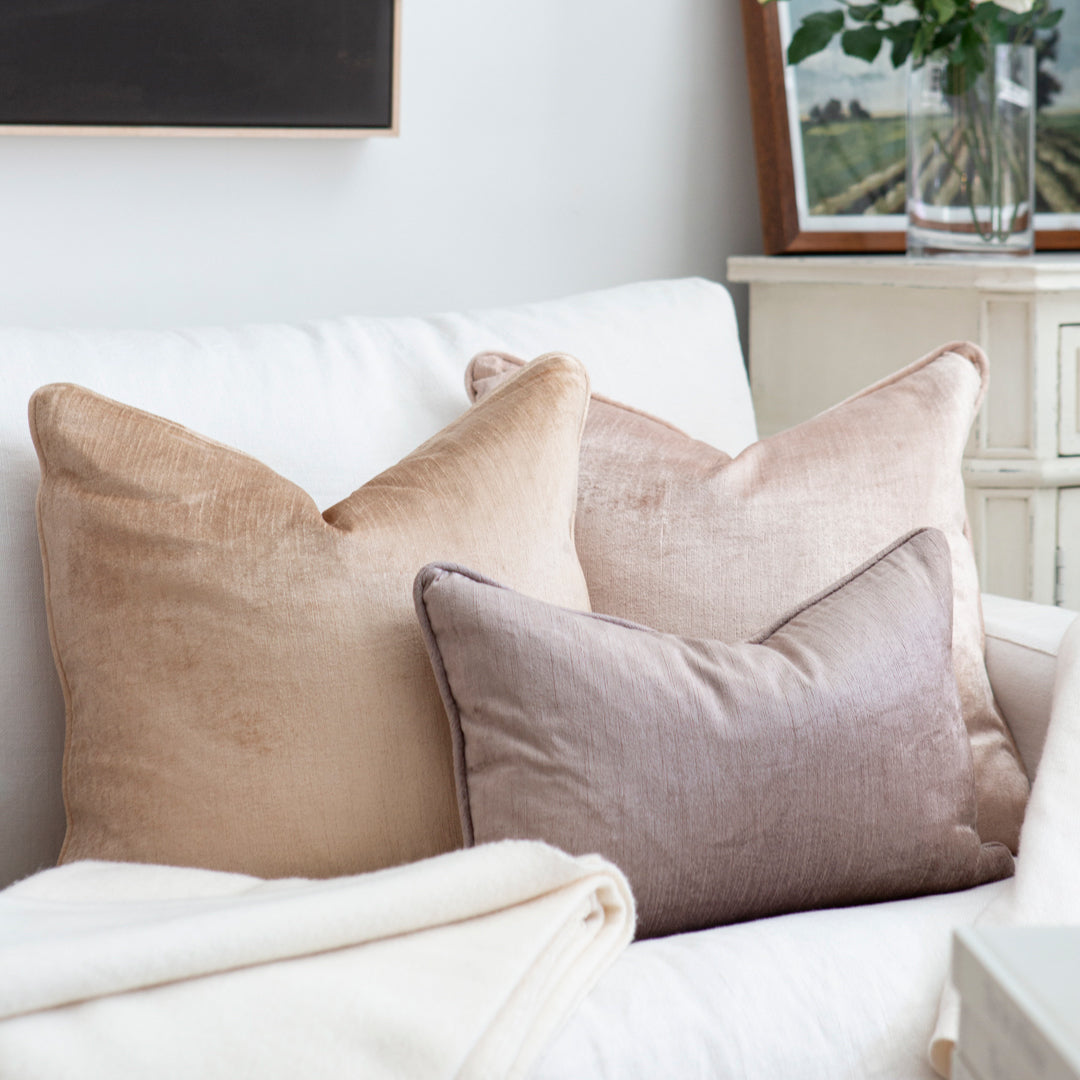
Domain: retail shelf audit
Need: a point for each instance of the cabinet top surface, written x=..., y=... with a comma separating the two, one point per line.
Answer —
x=1035, y=273
x=1039, y=967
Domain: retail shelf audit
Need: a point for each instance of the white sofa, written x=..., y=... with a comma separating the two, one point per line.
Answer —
x=839, y=993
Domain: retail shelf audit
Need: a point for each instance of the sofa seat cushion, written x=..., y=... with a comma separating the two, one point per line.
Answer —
x=840, y=994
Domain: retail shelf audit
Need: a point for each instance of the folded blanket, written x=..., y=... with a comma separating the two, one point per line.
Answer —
x=1046, y=887
x=458, y=966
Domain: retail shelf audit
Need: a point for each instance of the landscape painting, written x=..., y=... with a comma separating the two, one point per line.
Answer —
x=847, y=125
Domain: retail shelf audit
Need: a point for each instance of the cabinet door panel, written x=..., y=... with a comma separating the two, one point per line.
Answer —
x=1069, y=390
x=1008, y=425
x=1015, y=532
x=1006, y=543
x=1068, y=590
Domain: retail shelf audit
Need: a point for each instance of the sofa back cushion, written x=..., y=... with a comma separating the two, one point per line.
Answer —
x=326, y=405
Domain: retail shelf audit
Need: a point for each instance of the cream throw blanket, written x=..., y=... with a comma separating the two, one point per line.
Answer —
x=457, y=966
x=1046, y=888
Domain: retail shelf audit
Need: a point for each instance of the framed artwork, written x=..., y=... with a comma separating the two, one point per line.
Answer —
x=200, y=67
x=830, y=139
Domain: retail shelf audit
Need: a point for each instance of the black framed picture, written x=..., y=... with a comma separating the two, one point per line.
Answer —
x=200, y=66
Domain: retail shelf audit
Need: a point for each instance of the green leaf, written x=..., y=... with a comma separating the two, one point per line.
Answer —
x=920, y=47
x=943, y=37
x=1050, y=20
x=902, y=36
x=945, y=9
x=906, y=28
x=970, y=51
x=865, y=12
x=832, y=19
x=814, y=34
x=863, y=43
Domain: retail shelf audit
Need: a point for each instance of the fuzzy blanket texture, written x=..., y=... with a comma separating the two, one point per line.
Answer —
x=461, y=965
x=1046, y=888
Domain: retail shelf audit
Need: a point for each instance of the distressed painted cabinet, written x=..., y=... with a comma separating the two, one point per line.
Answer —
x=823, y=327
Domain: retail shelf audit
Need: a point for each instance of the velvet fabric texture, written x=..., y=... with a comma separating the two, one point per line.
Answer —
x=675, y=534
x=246, y=685
x=825, y=763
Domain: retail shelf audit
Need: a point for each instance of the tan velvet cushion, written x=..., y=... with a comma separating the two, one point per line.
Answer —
x=247, y=688
x=675, y=534
x=825, y=764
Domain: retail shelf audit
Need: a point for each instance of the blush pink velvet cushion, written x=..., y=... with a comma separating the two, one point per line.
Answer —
x=676, y=534
x=247, y=688
x=824, y=764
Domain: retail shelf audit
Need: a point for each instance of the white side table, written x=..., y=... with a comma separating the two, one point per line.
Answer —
x=823, y=327
x=1019, y=1003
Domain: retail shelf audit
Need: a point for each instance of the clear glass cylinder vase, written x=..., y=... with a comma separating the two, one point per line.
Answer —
x=971, y=155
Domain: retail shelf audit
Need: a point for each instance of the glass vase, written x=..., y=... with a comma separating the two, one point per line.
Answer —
x=971, y=155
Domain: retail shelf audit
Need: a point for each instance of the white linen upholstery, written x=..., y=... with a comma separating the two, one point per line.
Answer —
x=1022, y=641
x=845, y=994
x=327, y=405
x=1046, y=888
x=455, y=966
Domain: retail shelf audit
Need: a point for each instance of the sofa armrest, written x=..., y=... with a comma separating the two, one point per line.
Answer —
x=1022, y=642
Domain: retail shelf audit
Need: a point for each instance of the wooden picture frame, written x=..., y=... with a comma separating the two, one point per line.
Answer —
x=783, y=232
x=298, y=68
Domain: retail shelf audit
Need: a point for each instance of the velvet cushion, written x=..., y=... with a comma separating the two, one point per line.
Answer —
x=246, y=685
x=328, y=404
x=824, y=763
x=675, y=534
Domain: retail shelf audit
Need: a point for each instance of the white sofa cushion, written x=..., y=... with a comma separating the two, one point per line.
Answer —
x=842, y=994
x=327, y=405
x=1022, y=641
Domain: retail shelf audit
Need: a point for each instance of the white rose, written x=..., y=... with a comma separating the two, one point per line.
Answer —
x=1021, y=7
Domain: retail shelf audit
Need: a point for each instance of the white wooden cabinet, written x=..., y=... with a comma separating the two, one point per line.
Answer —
x=1019, y=990
x=823, y=327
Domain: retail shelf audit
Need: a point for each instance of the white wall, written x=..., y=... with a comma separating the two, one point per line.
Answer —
x=547, y=146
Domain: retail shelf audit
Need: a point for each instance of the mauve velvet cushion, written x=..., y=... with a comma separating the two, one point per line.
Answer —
x=675, y=534
x=247, y=688
x=824, y=763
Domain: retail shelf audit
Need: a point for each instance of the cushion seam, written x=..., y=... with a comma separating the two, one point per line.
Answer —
x=69, y=716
